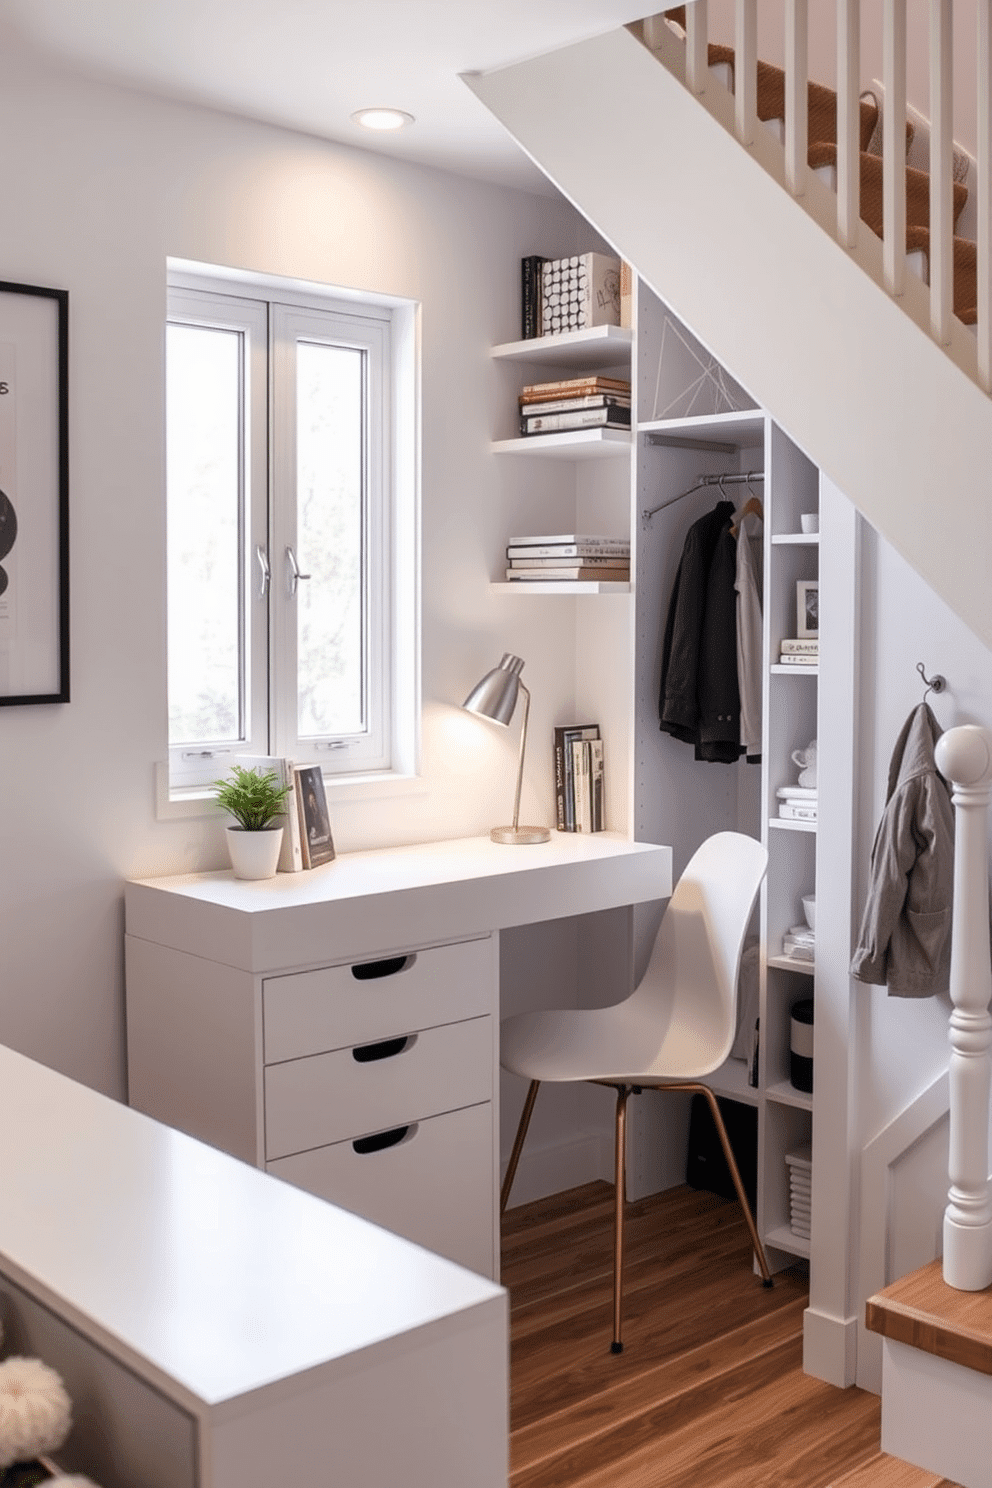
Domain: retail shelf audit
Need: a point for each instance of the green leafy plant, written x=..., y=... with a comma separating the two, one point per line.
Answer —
x=253, y=799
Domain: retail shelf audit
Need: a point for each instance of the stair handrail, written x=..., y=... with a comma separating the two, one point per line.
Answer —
x=964, y=757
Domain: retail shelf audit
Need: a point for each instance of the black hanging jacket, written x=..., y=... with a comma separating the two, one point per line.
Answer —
x=678, y=708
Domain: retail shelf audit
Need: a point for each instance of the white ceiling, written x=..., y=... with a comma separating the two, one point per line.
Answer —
x=309, y=64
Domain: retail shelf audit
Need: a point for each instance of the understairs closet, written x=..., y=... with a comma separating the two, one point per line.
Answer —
x=698, y=445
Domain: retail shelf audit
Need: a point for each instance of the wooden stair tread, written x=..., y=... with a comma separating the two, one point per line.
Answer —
x=922, y=1311
x=823, y=152
x=883, y=1471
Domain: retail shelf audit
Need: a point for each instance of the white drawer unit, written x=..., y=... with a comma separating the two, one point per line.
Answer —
x=428, y=1179
x=368, y=1088
x=339, y=1028
x=291, y=1069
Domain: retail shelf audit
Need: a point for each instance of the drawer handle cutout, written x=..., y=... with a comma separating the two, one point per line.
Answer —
x=371, y=971
x=384, y=1049
x=382, y=1140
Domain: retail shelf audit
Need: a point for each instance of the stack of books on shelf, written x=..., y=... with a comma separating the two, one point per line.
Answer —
x=567, y=556
x=800, y=1164
x=799, y=943
x=796, y=803
x=579, y=793
x=588, y=402
x=800, y=652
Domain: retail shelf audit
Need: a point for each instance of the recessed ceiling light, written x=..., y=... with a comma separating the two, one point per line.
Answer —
x=382, y=118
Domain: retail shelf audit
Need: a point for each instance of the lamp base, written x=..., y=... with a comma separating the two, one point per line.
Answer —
x=518, y=836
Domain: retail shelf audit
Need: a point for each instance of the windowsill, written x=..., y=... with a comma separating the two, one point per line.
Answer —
x=199, y=800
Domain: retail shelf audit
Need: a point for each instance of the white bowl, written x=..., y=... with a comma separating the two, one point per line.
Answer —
x=809, y=910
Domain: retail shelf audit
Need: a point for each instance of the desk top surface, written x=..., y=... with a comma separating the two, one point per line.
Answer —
x=395, y=897
x=208, y=1277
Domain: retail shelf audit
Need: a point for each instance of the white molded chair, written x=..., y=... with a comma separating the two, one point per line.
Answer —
x=676, y=1027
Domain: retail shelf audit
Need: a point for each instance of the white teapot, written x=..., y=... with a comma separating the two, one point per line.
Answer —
x=806, y=759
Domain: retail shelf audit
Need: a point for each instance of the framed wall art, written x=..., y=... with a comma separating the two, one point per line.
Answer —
x=34, y=495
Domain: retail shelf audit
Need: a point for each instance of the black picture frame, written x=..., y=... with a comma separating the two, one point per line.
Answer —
x=34, y=495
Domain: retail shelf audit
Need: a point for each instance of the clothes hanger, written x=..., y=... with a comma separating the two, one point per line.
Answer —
x=751, y=508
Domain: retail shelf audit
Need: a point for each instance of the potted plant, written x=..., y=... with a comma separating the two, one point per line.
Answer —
x=254, y=800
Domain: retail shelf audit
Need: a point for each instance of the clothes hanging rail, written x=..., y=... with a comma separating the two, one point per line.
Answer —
x=705, y=480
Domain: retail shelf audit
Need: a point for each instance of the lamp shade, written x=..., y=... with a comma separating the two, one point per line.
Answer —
x=496, y=695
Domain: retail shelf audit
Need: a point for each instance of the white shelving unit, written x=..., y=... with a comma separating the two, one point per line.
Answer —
x=664, y=795
x=791, y=719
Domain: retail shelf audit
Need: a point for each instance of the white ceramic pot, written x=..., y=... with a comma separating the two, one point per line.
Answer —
x=254, y=854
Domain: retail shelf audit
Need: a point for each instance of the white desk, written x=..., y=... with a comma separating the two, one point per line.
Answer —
x=251, y=1023
x=219, y=1330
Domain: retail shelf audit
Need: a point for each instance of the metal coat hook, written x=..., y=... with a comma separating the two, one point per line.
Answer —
x=936, y=683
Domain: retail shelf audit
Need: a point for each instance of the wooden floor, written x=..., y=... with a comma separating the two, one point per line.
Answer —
x=709, y=1389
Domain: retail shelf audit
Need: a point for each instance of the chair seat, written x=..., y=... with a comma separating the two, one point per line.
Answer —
x=622, y=1043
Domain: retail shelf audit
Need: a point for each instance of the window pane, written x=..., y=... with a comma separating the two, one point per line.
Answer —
x=330, y=479
x=203, y=401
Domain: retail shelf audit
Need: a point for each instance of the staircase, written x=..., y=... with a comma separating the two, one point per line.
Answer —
x=875, y=374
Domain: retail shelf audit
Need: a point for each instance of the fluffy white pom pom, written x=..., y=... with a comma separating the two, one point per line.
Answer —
x=35, y=1411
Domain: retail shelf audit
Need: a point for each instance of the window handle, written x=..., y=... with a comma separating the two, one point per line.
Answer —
x=295, y=576
x=263, y=563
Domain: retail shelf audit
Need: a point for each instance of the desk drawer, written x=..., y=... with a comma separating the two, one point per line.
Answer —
x=338, y=1006
x=434, y=1185
x=328, y=1097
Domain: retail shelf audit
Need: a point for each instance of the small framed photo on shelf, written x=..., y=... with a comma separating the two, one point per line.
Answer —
x=807, y=608
x=316, y=842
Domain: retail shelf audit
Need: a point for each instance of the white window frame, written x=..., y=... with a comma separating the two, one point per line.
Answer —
x=387, y=758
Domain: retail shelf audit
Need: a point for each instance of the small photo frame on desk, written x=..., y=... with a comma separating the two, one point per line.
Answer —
x=807, y=608
x=316, y=841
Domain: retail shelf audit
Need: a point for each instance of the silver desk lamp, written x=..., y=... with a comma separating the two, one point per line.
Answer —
x=495, y=697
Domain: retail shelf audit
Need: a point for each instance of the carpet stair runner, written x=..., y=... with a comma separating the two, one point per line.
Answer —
x=822, y=154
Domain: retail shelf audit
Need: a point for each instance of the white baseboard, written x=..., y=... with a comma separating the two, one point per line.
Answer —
x=550, y=1170
x=830, y=1347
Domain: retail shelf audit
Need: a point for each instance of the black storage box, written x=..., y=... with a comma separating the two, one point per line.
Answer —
x=706, y=1166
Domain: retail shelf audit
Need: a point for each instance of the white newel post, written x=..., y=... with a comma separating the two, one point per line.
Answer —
x=964, y=757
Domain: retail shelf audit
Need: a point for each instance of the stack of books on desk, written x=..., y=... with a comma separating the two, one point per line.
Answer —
x=796, y=803
x=800, y=1165
x=580, y=803
x=799, y=652
x=564, y=556
x=589, y=402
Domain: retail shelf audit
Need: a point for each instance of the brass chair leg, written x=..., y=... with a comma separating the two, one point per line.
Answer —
x=518, y=1143
x=728, y=1153
x=623, y=1091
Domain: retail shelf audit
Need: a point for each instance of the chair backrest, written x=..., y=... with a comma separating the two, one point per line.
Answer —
x=691, y=978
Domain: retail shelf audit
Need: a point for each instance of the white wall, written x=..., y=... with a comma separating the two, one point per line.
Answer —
x=99, y=186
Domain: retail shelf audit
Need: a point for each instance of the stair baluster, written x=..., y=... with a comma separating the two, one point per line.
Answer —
x=984, y=172
x=941, y=172
x=964, y=756
x=848, y=121
x=893, y=146
x=697, y=46
x=796, y=108
x=746, y=70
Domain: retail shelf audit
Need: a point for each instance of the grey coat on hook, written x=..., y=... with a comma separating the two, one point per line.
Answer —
x=905, y=939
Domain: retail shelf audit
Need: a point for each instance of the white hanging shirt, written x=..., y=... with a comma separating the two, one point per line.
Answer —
x=748, y=586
